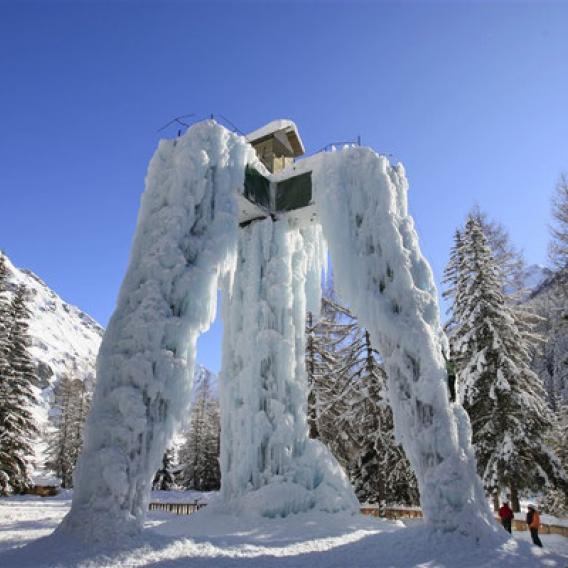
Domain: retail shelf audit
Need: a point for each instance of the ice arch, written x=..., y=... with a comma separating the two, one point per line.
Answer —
x=187, y=242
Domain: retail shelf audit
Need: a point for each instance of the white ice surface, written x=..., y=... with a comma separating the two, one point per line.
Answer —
x=361, y=203
x=186, y=242
x=185, y=239
x=300, y=541
x=268, y=463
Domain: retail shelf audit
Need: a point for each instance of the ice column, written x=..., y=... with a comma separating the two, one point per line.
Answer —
x=186, y=237
x=268, y=464
x=379, y=270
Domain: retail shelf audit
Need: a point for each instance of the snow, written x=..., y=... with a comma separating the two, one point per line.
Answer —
x=214, y=541
x=275, y=127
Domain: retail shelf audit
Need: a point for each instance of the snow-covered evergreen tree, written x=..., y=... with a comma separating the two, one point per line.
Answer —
x=559, y=244
x=17, y=396
x=5, y=320
x=164, y=480
x=65, y=442
x=451, y=274
x=552, y=304
x=503, y=396
x=381, y=473
x=550, y=361
x=199, y=455
x=507, y=256
x=354, y=418
x=556, y=498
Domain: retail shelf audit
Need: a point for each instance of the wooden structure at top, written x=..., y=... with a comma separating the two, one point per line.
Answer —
x=277, y=144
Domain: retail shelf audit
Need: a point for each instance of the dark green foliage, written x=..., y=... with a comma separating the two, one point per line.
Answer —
x=17, y=377
x=72, y=402
x=199, y=456
x=348, y=407
x=502, y=395
x=164, y=479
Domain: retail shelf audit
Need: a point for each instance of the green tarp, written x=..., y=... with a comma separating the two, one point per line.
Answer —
x=257, y=188
x=294, y=193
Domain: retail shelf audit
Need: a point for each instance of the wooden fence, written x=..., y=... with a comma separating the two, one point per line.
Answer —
x=517, y=525
x=389, y=513
x=177, y=508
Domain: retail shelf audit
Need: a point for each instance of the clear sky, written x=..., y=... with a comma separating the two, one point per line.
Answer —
x=471, y=96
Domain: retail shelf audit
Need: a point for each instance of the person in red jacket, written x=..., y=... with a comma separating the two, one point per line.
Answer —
x=533, y=520
x=506, y=515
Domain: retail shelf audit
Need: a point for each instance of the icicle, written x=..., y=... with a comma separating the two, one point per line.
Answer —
x=380, y=271
x=185, y=238
x=268, y=464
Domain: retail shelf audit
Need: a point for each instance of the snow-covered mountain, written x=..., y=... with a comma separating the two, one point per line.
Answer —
x=64, y=339
x=535, y=275
x=64, y=342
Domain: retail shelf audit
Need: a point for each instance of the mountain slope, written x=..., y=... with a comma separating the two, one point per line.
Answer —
x=64, y=340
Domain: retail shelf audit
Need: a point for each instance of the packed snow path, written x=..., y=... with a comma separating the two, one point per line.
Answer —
x=187, y=241
x=306, y=540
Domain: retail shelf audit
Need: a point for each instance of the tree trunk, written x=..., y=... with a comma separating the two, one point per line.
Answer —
x=310, y=372
x=496, y=501
x=382, y=490
x=515, y=505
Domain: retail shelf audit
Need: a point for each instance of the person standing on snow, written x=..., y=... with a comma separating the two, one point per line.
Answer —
x=533, y=521
x=506, y=515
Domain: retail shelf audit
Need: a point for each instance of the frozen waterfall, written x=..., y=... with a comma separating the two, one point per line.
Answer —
x=268, y=463
x=187, y=244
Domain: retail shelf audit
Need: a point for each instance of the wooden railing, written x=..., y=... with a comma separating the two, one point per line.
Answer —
x=177, y=508
x=517, y=525
x=389, y=513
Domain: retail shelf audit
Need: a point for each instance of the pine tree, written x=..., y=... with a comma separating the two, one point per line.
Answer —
x=554, y=307
x=381, y=473
x=353, y=416
x=559, y=244
x=164, y=480
x=556, y=498
x=451, y=275
x=5, y=325
x=65, y=442
x=311, y=373
x=502, y=395
x=507, y=257
x=550, y=361
x=199, y=455
x=17, y=398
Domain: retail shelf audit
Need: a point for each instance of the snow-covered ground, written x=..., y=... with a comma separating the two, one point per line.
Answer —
x=217, y=541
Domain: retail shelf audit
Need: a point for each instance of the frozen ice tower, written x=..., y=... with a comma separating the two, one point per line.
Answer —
x=236, y=213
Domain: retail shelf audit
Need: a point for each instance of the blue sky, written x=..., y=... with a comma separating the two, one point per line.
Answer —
x=471, y=97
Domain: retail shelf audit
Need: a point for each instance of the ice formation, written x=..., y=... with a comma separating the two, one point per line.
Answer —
x=187, y=243
x=268, y=464
x=185, y=240
x=361, y=203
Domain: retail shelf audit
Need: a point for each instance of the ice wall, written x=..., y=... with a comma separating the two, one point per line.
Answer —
x=379, y=270
x=269, y=466
x=186, y=237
